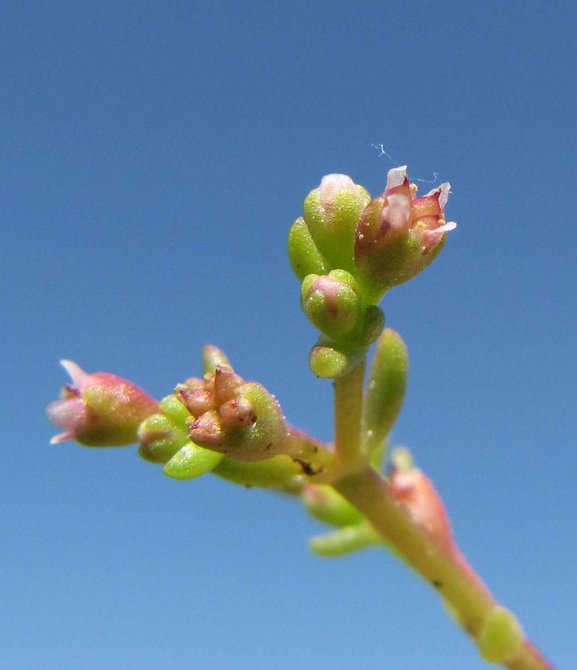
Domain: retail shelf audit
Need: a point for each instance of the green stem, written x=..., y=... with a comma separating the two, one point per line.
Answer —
x=348, y=414
x=448, y=572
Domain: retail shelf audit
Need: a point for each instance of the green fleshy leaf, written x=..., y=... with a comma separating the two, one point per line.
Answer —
x=303, y=254
x=333, y=226
x=501, y=636
x=329, y=506
x=280, y=472
x=160, y=439
x=385, y=390
x=175, y=410
x=344, y=541
x=191, y=461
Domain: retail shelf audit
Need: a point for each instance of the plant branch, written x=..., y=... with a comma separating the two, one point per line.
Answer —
x=348, y=414
x=448, y=573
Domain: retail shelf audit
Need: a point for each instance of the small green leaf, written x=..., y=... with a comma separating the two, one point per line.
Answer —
x=329, y=506
x=191, y=461
x=385, y=391
x=344, y=541
x=501, y=636
x=303, y=254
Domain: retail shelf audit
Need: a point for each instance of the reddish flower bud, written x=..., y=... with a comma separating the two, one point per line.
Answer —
x=332, y=303
x=100, y=409
x=196, y=399
x=418, y=494
x=207, y=429
x=234, y=417
x=399, y=235
x=237, y=412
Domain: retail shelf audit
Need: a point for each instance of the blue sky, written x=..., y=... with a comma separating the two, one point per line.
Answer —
x=154, y=156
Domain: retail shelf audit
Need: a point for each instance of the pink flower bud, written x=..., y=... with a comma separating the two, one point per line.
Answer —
x=233, y=417
x=332, y=185
x=100, y=409
x=398, y=234
x=417, y=493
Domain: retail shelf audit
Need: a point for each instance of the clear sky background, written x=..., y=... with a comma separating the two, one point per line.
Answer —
x=152, y=158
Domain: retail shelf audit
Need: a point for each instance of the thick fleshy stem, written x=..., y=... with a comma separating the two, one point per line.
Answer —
x=447, y=571
x=348, y=415
x=313, y=455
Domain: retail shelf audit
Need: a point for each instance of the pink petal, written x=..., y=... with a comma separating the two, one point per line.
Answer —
x=79, y=378
x=71, y=414
x=396, y=177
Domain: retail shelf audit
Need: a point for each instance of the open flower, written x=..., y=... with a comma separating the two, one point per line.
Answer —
x=398, y=234
x=100, y=409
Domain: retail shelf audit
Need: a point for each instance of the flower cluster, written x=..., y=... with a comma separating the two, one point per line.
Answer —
x=348, y=250
x=381, y=242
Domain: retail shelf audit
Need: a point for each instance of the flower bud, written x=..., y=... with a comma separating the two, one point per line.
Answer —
x=100, y=409
x=417, y=493
x=233, y=417
x=254, y=430
x=399, y=235
x=332, y=213
x=164, y=434
x=332, y=303
x=329, y=360
x=160, y=439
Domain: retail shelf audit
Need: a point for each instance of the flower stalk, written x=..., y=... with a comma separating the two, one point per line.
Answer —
x=348, y=415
